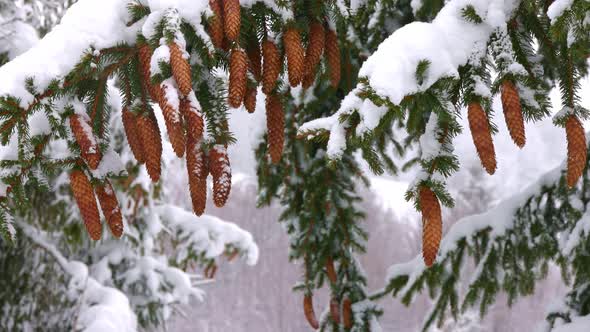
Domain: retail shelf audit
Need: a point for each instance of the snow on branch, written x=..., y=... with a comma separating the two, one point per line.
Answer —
x=448, y=42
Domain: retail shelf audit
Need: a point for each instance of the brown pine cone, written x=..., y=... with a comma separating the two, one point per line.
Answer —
x=335, y=310
x=110, y=208
x=513, y=113
x=237, y=77
x=271, y=66
x=84, y=196
x=313, y=53
x=576, y=150
x=89, y=149
x=332, y=53
x=231, y=17
x=145, y=58
x=431, y=225
x=482, y=136
x=131, y=132
x=216, y=24
x=198, y=170
x=254, y=58
x=193, y=119
x=309, y=312
x=220, y=169
x=250, y=99
x=275, y=124
x=181, y=69
x=347, y=313
x=173, y=121
x=295, y=55
x=149, y=133
x=331, y=271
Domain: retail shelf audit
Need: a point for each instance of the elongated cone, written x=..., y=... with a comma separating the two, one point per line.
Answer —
x=220, y=169
x=313, y=53
x=431, y=225
x=254, y=59
x=576, y=150
x=513, y=113
x=89, y=148
x=347, y=313
x=331, y=271
x=110, y=208
x=335, y=310
x=84, y=195
x=231, y=19
x=173, y=120
x=237, y=77
x=271, y=66
x=198, y=169
x=309, y=312
x=152, y=147
x=193, y=119
x=132, y=134
x=295, y=55
x=275, y=123
x=250, y=99
x=332, y=54
x=145, y=59
x=181, y=69
x=216, y=24
x=482, y=136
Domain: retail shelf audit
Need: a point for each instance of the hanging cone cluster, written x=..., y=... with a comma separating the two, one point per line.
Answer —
x=313, y=53
x=89, y=149
x=309, y=312
x=197, y=167
x=231, y=19
x=576, y=150
x=431, y=225
x=275, y=123
x=110, y=208
x=271, y=66
x=482, y=136
x=333, y=57
x=513, y=113
x=149, y=133
x=221, y=172
x=347, y=313
x=238, y=68
x=295, y=55
x=132, y=134
x=84, y=196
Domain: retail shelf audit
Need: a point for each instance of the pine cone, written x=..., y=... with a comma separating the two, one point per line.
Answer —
x=131, y=132
x=173, y=121
x=221, y=172
x=309, y=312
x=295, y=55
x=86, y=201
x=145, y=59
x=431, y=225
x=254, y=59
x=313, y=54
x=181, y=69
x=110, y=208
x=271, y=66
x=193, y=118
x=149, y=133
x=576, y=150
x=250, y=99
x=275, y=123
x=331, y=271
x=216, y=24
x=89, y=149
x=347, y=313
x=333, y=57
x=335, y=310
x=482, y=136
x=237, y=77
x=231, y=16
x=513, y=113
x=197, y=168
